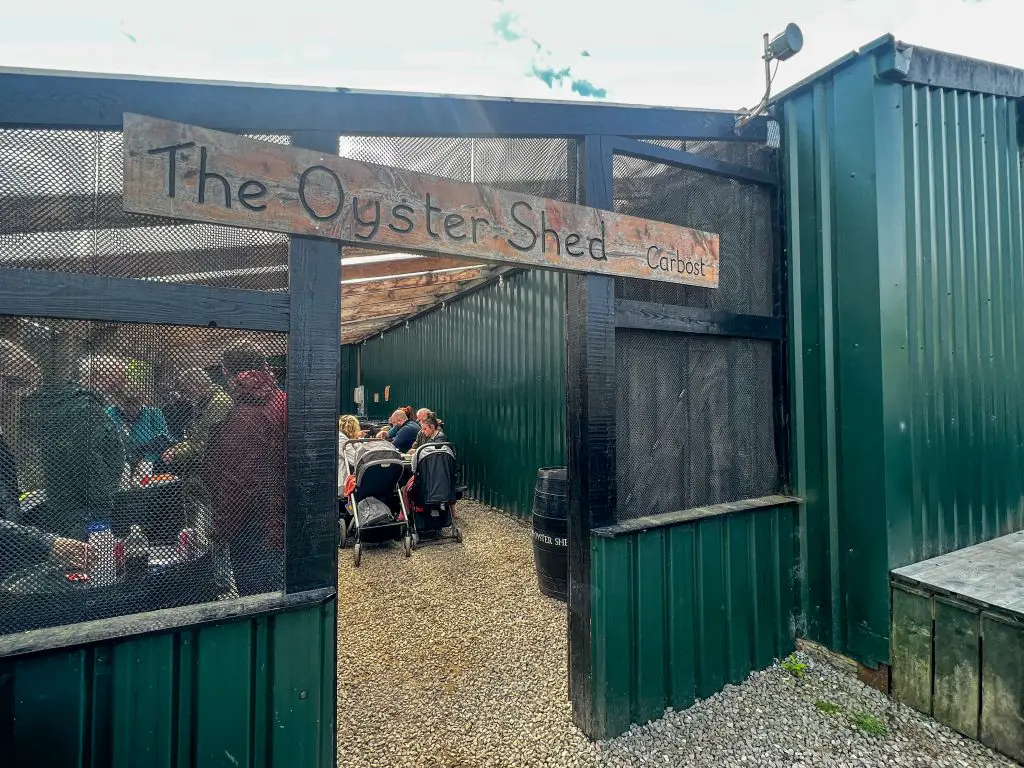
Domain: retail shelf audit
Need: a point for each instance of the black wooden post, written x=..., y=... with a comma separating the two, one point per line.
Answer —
x=314, y=352
x=590, y=385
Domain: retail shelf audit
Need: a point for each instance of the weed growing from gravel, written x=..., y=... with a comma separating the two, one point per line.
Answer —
x=870, y=724
x=865, y=721
x=828, y=707
x=794, y=666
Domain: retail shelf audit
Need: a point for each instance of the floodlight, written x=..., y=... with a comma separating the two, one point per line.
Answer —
x=786, y=44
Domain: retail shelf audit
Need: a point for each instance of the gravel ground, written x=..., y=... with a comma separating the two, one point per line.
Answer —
x=453, y=659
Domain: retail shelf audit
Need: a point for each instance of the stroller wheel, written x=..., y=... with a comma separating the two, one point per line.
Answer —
x=407, y=541
x=458, y=535
x=357, y=553
x=415, y=539
x=342, y=534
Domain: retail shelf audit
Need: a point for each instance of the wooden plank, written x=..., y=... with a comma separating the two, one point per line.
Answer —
x=665, y=519
x=89, y=297
x=957, y=665
x=352, y=314
x=314, y=364
x=187, y=172
x=419, y=281
x=1002, y=686
x=430, y=292
x=648, y=316
x=988, y=575
x=399, y=266
x=912, y=649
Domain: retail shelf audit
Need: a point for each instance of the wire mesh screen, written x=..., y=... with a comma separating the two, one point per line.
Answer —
x=695, y=421
x=141, y=467
x=740, y=213
x=750, y=154
x=542, y=167
x=61, y=211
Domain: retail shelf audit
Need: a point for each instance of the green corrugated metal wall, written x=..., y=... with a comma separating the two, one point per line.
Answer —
x=492, y=365
x=679, y=612
x=906, y=283
x=348, y=381
x=252, y=693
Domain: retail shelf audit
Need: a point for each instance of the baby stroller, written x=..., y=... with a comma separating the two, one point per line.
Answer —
x=376, y=511
x=433, y=493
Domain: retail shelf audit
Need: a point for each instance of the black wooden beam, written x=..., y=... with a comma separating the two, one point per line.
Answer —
x=590, y=389
x=648, y=316
x=679, y=159
x=74, y=100
x=30, y=293
x=314, y=359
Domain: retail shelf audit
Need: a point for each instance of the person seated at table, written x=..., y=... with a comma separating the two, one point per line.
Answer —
x=423, y=437
x=405, y=432
x=81, y=452
x=22, y=546
x=389, y=432
x=430, y=429
x=144, y=425
x=349, y=429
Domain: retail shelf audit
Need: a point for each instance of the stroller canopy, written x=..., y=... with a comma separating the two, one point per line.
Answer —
x=434, y=466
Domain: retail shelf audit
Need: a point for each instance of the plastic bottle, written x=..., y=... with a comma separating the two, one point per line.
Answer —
x=136, y=551
x=102, y=569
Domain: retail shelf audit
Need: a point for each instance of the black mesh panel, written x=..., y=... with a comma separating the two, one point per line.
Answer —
x=61, y=211
x=141, y=467
x=695, y=421
x=695, y=413
x=738, y=212
x=542, y=167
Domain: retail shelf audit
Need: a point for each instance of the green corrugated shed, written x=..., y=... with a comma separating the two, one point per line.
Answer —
x=492, y=365
x=680, y=611
x=349, y=379
x=903, y=189
x=258, y=691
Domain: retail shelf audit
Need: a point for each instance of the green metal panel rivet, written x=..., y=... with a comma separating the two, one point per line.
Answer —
x=302, y=694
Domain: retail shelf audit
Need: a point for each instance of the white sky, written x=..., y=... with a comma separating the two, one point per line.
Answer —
x=677, y=52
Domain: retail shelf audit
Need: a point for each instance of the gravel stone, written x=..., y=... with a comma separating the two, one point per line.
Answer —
x=453, y=659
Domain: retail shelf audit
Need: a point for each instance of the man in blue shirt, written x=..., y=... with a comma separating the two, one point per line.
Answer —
x=407, y=431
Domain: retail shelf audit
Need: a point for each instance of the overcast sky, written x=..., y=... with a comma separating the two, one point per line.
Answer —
x=675, y=52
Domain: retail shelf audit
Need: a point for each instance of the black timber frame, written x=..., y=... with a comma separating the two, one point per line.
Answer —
x=309, y=311
x=593, y=313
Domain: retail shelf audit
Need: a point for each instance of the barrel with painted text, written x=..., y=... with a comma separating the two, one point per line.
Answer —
x=550, y=531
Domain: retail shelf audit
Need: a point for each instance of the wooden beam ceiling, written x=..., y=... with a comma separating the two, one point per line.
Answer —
x=405, y=266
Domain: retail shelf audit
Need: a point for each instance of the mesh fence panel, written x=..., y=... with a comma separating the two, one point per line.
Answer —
x=749, y=154
x=740, y=213
x=61, y=211
x=696, y=413
x=542, y=167
x=141, y=467
x=695, y=421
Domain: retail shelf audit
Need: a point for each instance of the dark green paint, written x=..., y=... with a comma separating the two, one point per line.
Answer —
x=254, y=693
x=680, y=611
x=1002, y=691
x=912, y=649
x=492, y=365
x=348, y=380
x=957, y=653
x=905, y=242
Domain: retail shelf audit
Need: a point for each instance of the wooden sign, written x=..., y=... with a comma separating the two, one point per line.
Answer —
x=185, y=172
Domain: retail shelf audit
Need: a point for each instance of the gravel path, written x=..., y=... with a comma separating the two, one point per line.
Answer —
x=453, y=659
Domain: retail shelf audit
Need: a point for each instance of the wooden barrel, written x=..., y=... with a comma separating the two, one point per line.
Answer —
x=550, y=531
